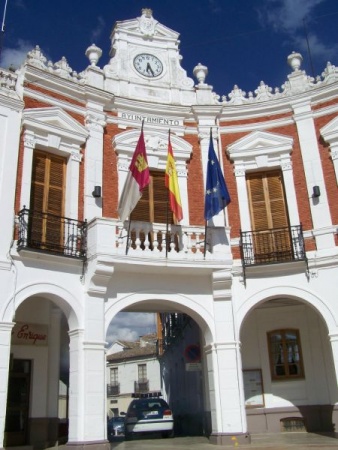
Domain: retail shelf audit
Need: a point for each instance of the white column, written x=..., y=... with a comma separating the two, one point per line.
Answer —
x=95, y=122
x=87, y=400
x=10, y=121
x=225, y=367
x=319, y=206
x=5, y=350
x=53, y=363
x=334, y=345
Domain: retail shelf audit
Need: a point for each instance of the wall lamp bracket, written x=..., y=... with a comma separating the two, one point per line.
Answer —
x=97, y=192
x=316, y=192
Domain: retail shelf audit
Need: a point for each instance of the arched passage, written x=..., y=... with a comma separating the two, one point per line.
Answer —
x=37, y=321
x=289, y=372
x=182, y=383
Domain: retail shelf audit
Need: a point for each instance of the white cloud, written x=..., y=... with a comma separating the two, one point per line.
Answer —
x=317, y=48
x=96, y=33
x=15, y=56
x=130, y=326
x=288, y=15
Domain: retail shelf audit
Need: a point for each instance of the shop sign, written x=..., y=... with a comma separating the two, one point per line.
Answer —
x=25, y=333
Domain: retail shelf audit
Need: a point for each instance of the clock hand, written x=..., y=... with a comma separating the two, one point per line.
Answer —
x=149, y=69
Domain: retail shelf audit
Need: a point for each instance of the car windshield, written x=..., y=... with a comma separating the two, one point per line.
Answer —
x=150, y=404
x=118, y=419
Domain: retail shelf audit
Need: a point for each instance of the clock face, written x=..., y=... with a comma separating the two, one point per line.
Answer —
x=148, y=65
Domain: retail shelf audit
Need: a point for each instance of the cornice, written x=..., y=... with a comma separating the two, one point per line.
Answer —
x=12, y=103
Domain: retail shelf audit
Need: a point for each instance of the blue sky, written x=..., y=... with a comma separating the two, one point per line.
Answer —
x=242, y=42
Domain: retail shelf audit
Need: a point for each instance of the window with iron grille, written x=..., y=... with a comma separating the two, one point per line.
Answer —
x=285, y=354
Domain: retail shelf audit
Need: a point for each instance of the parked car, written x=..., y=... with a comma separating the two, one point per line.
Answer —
x=115, y=426
x=145, y=415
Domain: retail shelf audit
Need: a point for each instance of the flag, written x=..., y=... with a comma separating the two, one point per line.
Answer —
x=137, y=179
x=216, y=194
x=171, y=182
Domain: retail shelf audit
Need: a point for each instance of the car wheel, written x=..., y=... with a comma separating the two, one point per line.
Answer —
x=128, y=436
x=168, y=434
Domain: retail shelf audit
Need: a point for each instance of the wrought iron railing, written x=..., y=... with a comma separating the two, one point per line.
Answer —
x=113, y=389
x=272, y=246
x=52, y=234
x=141, y=386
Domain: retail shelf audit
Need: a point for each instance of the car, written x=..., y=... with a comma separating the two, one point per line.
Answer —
x=149, y=415
x=115, y=427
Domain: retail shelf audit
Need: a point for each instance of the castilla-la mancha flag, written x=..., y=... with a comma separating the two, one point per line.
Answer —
x=171, y=182
x=137, y=179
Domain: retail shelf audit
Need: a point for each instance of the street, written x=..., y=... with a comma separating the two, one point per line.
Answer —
x=280, y=441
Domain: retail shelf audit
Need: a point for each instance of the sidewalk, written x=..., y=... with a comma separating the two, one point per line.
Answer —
x=280, y=441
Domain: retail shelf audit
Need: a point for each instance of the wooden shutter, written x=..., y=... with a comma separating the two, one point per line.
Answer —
x=153, y=207
x=269, y=216
x=153, y=204
x=47, y=200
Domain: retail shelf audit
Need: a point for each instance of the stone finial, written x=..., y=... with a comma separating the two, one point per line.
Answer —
x=200, y=72
x=147, y=12
x=93, y=53
x=295, y=61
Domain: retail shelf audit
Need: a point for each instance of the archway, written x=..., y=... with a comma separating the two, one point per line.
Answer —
x=288, y=368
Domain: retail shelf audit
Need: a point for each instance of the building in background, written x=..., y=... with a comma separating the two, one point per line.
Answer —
x=259, y=282
x=132, y=369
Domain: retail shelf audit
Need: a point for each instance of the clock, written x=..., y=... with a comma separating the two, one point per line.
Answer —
x=148, y=65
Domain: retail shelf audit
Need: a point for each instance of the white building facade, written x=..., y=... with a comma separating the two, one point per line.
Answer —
x=262, y=288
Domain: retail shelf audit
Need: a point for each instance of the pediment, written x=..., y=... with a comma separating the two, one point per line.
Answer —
x=156, y=146
x=54, y=121
x=134, y=26
x=329, y=132
x=260, y=142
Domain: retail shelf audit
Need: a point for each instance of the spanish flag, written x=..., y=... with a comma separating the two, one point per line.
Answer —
x=171, y=182
x=137, y=179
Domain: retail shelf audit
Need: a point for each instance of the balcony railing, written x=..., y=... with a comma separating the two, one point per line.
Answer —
x=153, y=241
x=277, y=245
x=141, y=386
x=113, y=389
x=52, y=234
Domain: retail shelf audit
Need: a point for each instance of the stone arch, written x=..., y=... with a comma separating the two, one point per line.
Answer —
x=180, y=302
x=64, y=299
x=291, y=292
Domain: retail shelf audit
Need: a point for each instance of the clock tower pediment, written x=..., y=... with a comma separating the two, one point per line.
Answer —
x=146, y=63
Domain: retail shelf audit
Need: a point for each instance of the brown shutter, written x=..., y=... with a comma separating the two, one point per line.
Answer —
x=152, y=207
x=47, y=200
x=269, y=217
x=267, y=200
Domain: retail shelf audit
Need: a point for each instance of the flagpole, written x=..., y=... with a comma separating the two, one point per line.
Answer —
x=128, y=234
x=3, y=28
x=167, y=225
x=205, y=237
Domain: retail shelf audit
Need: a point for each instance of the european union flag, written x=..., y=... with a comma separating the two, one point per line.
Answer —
x=216, y=194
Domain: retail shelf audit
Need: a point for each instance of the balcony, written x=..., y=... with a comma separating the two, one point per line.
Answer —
x=48, y=233
x=141, y=386
x=113, y=389
x=273, y=246
x=145, y=241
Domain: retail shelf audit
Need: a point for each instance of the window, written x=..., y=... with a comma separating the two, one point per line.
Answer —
x=153, y=205
x=47, y=200
x=114, y=376
x=269, y=217
x=142, y=373
x=285, y=354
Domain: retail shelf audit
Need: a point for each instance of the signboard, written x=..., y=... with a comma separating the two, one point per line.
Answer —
x=192, y=353
x=193, y=367
x=253, y=388
x=25, y=333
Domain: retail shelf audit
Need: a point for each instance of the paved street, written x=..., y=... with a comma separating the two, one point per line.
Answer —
x=299, y=441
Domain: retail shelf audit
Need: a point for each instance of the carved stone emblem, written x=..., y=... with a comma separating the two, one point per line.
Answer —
x=147, y=23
